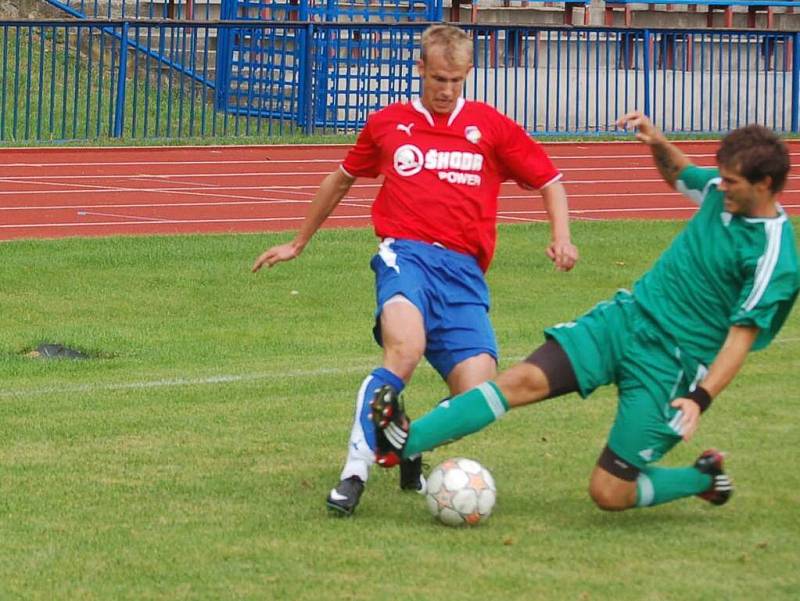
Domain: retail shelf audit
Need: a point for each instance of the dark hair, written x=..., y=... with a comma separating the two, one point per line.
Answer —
x=755, y=152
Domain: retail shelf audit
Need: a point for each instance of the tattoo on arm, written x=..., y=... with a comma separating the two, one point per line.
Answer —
x=666, y=162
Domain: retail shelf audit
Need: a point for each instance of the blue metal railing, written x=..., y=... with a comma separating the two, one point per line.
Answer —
x=67, y=79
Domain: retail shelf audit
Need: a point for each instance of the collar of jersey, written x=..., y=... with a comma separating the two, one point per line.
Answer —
x=417, y=104
x=781, y=216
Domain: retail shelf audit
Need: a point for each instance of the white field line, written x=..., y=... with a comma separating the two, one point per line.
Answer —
x=222, y=379
x=280, y=174
x=510, y=216
x=265, y=174
x=142, y=221
x=267, y=161
x=37, y=178
x=217, y=189
x=247, y=200
x=78, y=224
x=88, y=189
x=133, y=218
x=172, y=205
x=180, y=382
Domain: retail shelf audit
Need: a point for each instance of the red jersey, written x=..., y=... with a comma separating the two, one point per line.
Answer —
x=442, y=173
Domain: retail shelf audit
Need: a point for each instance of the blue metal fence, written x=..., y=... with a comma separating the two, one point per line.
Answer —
x=286, y=60
x=66, y=79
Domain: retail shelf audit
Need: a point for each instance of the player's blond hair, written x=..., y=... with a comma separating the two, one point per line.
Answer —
x=456, y=45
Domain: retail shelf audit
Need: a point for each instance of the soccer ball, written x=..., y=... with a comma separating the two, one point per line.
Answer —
x=460, y=492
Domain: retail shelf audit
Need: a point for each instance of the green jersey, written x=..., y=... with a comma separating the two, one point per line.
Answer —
x=721, y=270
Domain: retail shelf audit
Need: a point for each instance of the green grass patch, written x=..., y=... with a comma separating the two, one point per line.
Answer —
x=190, y=458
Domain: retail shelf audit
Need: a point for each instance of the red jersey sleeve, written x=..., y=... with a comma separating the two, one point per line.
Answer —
x=364, y=158
x=524, y=160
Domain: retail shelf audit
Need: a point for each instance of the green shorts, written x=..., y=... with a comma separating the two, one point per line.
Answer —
x=616, y=342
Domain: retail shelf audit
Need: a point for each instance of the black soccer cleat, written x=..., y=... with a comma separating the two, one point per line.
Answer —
x=391, y=426
x=710, y=462
x=343, y=499
x=411, y=477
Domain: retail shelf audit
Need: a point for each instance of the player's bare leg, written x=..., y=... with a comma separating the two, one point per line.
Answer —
x=403, y=338
x=471, y=372
x=610, y=492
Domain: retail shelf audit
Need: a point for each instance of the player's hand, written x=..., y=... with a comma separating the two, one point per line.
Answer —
x=645, y=130
x=563, y=254
x=688, y=417
x=276, y=254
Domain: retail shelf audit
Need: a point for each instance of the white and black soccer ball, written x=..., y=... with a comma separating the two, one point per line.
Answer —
x=460, y=492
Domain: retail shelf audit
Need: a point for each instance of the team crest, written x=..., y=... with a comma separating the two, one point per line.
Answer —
x=472, y=133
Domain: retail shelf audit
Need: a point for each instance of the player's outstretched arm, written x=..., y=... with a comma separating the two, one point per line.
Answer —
x=330, y=193
x=562, y=252
x=668, y=158
x=726, y=365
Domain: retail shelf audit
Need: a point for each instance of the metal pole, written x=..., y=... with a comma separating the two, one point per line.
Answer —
x=119, y=111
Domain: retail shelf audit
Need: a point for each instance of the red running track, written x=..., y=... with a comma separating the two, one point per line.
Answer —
x=103, y=191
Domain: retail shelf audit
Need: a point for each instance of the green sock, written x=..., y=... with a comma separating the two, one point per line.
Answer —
x=461, y=415
x=656, y=485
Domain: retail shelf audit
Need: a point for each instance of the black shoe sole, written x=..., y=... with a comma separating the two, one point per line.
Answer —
x=338, y=510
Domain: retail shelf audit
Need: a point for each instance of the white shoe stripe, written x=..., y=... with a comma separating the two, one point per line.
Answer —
x=722, y=483
x=398, y=431
x=391, y=438
x=395, y=435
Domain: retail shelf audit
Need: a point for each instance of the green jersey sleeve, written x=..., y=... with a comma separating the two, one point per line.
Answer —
x=770, y=289
x=694, y=182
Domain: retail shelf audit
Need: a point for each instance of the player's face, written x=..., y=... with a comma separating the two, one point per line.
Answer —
x=743, y=197
x=442, y=81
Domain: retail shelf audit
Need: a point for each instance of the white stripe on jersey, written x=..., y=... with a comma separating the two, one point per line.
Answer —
x=420, y=108
x=552, y=181
x=675, y=423
x=459, y=105
x=417, y=104
x=766, y=263
x=696, y=196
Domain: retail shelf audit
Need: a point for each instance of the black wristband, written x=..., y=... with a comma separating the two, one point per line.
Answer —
x=700, y=396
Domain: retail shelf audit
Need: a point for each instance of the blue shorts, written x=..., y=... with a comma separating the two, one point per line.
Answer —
x=450, y=291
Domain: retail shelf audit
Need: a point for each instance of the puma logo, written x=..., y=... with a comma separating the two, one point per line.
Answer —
x=405, y=128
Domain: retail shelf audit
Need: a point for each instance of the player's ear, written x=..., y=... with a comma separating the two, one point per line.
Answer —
x=764, y=185
x=421, y=67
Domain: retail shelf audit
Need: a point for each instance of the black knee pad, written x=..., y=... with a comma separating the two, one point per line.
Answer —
x=555, y=364
x=616, y=466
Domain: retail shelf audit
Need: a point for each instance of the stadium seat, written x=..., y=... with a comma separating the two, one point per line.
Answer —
x=712, y=8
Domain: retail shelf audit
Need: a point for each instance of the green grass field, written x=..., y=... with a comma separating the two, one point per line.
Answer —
x=190, y=457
